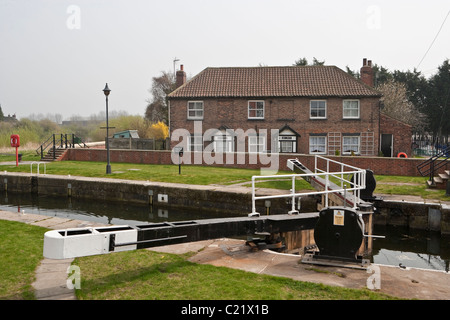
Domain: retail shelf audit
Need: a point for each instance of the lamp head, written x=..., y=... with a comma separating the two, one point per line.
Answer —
x=106, y=91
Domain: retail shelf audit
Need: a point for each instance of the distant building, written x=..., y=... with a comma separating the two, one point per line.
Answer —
x=126, y=134
x=10, y=118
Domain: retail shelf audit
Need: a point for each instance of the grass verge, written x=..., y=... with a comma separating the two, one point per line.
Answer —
x=21, y=248
x=190, y=174
x=147, y=275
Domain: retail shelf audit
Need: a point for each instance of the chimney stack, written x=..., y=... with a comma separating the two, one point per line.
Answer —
x=181, y=77
x=367, y=72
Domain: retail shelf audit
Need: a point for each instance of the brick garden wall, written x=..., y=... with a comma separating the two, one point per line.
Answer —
x=379, y=165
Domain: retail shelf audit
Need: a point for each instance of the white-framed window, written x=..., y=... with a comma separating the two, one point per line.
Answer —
x=287, y=144
x=350, y=109
x=256, y=144
x=196, y=143
x=350, y=144
x=256, y=109
x=223, y=143
x=318, y=109
x=317, y=144
x=195, y=110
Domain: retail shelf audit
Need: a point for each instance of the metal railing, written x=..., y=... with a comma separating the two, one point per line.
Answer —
x=343, y=181
x=431, y=165
x=38, y=165
x=59, y=141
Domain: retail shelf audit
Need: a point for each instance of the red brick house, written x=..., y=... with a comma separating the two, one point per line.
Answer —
x=293, y=109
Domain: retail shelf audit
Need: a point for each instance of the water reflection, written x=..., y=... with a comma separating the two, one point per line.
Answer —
x=411, y=248
x=98, y=210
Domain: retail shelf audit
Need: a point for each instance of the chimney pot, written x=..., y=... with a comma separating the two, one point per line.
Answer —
x=180, y=77
x=367, y=72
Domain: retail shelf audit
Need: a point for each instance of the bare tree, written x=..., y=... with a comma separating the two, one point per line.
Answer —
x=157, y=108
x=397, y=105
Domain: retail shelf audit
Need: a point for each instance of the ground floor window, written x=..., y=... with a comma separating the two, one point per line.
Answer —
x=350, y=144
x=196, y=143
x=256, y=144
x=287, y=144
x=223, y=143
x=317, y=144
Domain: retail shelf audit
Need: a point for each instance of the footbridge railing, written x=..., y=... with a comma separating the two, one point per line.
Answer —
x=347, y=182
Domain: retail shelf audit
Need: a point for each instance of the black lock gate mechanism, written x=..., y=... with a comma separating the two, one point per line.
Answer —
x=338, y=234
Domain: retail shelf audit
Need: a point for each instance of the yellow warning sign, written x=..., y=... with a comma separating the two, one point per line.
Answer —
x=338, y=218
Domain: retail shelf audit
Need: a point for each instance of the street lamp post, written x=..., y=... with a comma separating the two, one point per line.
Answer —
x=106, y=91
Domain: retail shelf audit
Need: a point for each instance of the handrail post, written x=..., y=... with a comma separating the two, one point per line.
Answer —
x=54, y=147
x=42, y=152
x=293, y=210
x=254, y=213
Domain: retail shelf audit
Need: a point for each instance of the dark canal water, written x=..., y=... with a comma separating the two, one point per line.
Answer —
x=411, y=248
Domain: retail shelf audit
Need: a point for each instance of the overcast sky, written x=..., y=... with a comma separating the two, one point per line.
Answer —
x=57, y=55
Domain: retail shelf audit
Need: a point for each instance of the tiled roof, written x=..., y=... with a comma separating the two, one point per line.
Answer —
x=294, y=81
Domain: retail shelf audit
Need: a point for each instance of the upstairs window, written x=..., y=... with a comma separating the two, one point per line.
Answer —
x=318, y=109
x=351, y=109
x=256, y=109
x=195, y=110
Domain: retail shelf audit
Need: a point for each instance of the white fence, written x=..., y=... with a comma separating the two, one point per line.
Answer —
x=333, y=182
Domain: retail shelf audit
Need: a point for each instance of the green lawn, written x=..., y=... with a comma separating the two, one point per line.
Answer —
x=190, y=174
x=21, y=248
x=147, y=275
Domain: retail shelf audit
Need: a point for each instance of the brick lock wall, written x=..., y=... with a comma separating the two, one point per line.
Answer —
x=233, y=113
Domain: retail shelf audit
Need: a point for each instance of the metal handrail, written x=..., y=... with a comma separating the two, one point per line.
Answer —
x=358, y=184
x=38, y=164
x=431, y=162
x=62, y=142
